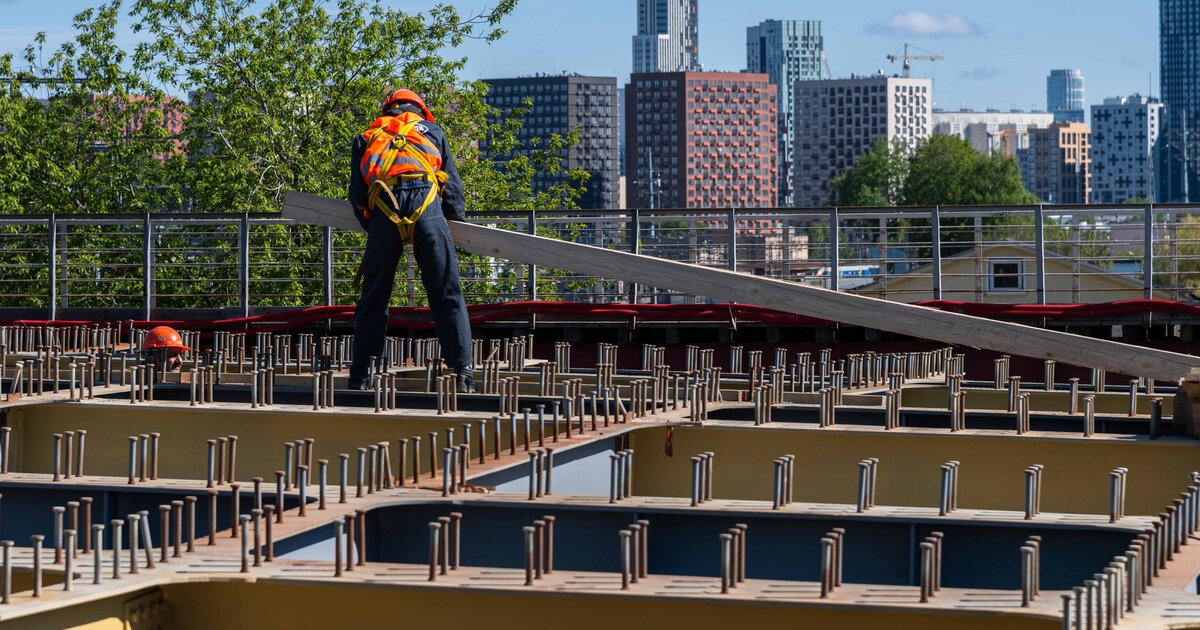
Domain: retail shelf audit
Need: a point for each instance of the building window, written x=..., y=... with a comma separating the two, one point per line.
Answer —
x=1006, y=275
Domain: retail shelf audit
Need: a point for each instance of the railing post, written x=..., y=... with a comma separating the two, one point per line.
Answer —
x=147, y=266
x=1173, y=253
x=834, y=245
x=935, y=226
x=1148, y=255
x=731, y=254
x=980, y=264
x=635, y=229
x=244, y=264
x=883, y=258
x=1039, y=246
x=329, y=278
x=52, y=294
x=532, y=272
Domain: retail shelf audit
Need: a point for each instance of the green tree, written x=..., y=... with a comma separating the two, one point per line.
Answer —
x=80, y=131
x=877, y=179
x=997, y=180
x=946, y=171
x=275, y=91
x=943, y=170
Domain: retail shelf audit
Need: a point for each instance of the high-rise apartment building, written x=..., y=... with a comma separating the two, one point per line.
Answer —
x=839, y=120
x=1179, y=72
x=992, y=130
x=1056, y=167
x=1125, y=136
x=700, y=140
x=787, y=51
x=621, y=130
x=561, y=104
x=668, y=36
x=1064, y=95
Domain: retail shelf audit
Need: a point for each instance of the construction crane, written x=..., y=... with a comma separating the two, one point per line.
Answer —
x=825, y=66
x=928, y=56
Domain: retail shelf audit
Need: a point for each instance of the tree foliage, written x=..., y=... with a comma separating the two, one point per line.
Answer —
x=943, y=170
x=946, y=171
x=877, y=179
x=272, y=92
x=81, y=131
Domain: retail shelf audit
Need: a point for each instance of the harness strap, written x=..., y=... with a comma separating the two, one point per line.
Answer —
x=380, y=195
x=389, y=206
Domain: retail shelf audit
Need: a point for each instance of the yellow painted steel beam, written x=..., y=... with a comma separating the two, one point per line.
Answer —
x=991, y=474
x=274, y=604
x=184, y=431
x=1109, y=403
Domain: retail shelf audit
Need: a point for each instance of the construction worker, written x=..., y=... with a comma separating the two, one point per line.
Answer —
x=404, y=186
x=164, y=347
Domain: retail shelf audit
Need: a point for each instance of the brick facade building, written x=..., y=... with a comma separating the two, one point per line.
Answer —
x=701, y=140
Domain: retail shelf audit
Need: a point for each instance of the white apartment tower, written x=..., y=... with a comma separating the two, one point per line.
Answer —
x=1125, y=137
x=786, y=51
x=991, y=131
x=839, y=120
x=668, y=37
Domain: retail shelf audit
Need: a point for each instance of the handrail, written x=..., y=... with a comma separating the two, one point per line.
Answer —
x=1083, y=254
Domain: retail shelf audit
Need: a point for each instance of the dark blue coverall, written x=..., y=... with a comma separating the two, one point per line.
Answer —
x=434, y=251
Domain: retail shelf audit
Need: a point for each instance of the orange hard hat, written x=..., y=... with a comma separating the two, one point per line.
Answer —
x=164, y=337
x=407, y=95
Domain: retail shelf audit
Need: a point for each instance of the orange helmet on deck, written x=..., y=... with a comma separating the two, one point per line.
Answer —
x=164, y=337
x=407, y=95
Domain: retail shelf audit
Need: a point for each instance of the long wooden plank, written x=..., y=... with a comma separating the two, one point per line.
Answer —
x=905, y=319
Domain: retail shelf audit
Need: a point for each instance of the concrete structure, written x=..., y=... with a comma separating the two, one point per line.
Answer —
x=1179, y=45
x=701, y=140
x=991, y=130
x=1125, y=138
x=787, y=51
x=1057, y=165
x=668, y=36
x=1064, y=95
x=561, y=104
x=838, y=120
x=1005, y=274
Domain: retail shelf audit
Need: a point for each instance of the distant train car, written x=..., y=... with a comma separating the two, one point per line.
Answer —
x=849, y=276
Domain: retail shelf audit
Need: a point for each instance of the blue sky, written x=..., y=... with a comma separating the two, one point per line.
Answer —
x=997, y=53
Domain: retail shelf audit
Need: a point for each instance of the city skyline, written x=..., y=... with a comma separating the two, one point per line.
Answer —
x=995, y=56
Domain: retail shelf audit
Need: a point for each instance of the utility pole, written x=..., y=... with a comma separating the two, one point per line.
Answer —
x=650, y=182
x=651, y=178
x=1186, y=194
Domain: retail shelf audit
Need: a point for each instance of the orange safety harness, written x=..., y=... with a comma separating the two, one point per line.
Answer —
x=397, y=151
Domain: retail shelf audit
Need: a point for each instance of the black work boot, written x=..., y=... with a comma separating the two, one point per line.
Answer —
x=357, y=383
x=466, y=383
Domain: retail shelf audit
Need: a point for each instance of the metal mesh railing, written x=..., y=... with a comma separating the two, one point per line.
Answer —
x=1021, y=254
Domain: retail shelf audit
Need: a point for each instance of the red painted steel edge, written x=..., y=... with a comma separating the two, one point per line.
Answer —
x=418, y=317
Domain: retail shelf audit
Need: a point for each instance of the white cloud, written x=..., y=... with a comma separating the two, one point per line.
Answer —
x=981, y=73
x=925, y=24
